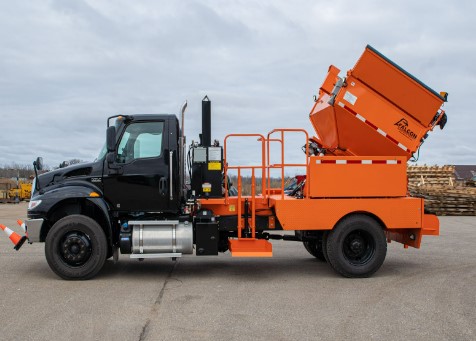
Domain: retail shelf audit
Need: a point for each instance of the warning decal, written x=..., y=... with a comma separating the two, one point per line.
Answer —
x=350, y=98
x=214, y=166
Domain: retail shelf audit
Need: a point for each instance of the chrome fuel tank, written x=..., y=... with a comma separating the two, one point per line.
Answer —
x=164, y=236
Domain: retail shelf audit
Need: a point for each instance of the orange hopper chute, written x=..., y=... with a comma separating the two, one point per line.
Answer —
x=378, y=109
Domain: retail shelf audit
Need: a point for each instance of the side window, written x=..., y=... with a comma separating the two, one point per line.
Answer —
x=140, y=140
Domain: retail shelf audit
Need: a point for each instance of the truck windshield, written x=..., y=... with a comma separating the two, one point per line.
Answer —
x=102, y=152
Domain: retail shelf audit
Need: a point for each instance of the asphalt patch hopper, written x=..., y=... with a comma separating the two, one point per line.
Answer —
x=377, y=109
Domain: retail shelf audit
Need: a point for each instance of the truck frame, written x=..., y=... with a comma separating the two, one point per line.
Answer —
x=135, y=199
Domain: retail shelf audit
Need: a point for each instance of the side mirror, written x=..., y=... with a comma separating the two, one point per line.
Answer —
x=110, y=158
x=111, y=138
x=38, y=164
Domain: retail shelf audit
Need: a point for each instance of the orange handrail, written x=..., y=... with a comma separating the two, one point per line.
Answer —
x=282, y=165
x=268, y=158
x=265, y=172
x=238, y=202
x=263, y=162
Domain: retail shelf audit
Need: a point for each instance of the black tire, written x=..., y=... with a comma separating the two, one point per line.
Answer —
x=324, y=245
x=357, y=246
x=314, y=247
x=76, y=248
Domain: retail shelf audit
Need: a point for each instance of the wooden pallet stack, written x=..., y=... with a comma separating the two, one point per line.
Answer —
x=431, y=175
x=443, y=196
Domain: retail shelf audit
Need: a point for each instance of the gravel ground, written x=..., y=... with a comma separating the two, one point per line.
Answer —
x=426, y=294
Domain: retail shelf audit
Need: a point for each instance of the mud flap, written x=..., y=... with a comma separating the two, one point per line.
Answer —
x=430, y=225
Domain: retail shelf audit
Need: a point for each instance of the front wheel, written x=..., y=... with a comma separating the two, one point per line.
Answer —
x=76, y=247
x=356, y=247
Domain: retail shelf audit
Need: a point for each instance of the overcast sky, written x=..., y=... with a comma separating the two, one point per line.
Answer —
x=65, y=66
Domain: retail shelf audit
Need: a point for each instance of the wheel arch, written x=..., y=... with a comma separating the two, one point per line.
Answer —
x=365, y=213
x=94, y=208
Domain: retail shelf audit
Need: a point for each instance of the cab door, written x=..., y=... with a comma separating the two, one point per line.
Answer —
x=139, y=178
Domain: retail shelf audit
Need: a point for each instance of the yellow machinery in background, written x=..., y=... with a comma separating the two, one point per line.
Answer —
x=22, y=192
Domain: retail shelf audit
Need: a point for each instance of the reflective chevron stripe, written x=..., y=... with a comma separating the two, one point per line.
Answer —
x=359, y=162
x=370, y=124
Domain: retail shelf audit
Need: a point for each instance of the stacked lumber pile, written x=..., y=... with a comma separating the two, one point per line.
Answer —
x=431, y=175
x=443, y=196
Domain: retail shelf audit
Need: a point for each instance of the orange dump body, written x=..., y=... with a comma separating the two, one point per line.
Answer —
x=368, y=126
x=379, y=109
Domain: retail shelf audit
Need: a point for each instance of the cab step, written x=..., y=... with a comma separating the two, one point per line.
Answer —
x=250, y=247
x=156, y=255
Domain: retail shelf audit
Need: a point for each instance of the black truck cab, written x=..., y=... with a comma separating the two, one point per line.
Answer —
x=138, y=171
x=132, y=198
x=134, y=176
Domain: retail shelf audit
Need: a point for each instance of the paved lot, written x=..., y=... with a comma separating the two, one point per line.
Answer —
x=427, y=294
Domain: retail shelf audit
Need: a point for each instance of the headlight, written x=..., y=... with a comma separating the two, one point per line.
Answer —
x=33, y=204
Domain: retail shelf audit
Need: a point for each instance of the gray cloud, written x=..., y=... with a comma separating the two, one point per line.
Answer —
x=66, y=66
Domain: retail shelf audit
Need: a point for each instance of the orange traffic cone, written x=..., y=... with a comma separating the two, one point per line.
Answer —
x=23, y=226
x=16, y=239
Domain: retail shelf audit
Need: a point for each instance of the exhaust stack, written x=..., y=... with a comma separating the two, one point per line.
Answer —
x=182, y=151
x=206, y=122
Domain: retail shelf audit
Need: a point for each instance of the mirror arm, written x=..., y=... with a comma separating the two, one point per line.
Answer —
x=37, y=182
x=37, y=166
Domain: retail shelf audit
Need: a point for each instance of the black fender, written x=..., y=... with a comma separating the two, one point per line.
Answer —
x=104, y=207
x=52, y=199
x=78, y=188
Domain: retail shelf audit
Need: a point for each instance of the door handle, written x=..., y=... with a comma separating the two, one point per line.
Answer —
x=163, y=186
x=171, y=154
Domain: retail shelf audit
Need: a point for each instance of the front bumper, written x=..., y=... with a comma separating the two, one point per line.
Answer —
x=33, y=227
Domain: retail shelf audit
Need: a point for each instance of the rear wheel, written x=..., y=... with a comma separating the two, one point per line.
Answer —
x=314, y=247
x=324, y=245
x=76, y=247
x=356, y=247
